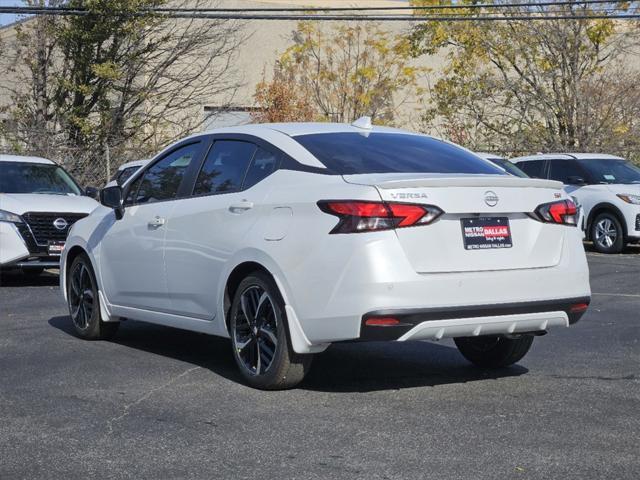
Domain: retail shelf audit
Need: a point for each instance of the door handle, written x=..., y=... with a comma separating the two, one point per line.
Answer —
x=240, y=207
x=156, y=222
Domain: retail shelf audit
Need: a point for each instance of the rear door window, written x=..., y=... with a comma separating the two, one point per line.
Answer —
x=225, y=167
x=561, y=170
x=533, y=168
x=263, y=164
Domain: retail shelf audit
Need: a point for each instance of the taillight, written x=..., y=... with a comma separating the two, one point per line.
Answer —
x=563, y=212
x=361, y=216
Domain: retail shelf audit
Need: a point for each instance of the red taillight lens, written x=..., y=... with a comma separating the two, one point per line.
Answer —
x=359, y=216
x=563, y=212
x=382, y=322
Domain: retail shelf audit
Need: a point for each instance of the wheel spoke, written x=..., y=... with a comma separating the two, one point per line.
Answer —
x=268, y=334
x=258, y=359
x=241, y=345
x=246, y=311
x=267, y=351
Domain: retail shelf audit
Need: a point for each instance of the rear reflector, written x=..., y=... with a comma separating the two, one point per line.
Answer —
x=361, y=216
x=579, y=308
x=381, y=322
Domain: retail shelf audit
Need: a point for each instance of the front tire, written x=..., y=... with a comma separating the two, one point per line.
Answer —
x=494, y=351
x=260, y=337
x=84, y=303
x=607, y=233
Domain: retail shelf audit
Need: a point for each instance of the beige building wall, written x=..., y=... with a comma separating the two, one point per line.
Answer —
x=265, y=42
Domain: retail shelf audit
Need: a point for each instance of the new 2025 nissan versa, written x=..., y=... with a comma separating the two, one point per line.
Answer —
x=289, y=237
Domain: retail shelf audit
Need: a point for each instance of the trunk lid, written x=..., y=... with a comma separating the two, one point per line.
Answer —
x=440, y=247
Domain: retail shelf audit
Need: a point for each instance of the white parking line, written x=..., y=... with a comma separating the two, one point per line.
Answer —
x=633, y=295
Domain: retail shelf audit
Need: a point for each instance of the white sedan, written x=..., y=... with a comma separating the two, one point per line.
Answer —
x=290, y=237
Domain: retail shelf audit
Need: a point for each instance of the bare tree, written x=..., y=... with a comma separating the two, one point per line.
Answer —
x=120, y=81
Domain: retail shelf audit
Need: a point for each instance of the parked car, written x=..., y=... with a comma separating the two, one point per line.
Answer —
x=125, y=171
x=290, y=237
x=608, y=188
x=39, y=202
x=503, y=163
x=512, y=169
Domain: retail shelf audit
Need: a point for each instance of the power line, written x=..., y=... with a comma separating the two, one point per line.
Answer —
x=474, y=6
x=214, y=15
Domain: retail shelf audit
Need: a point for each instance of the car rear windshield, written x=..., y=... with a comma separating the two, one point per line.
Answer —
x=353, y=153
x=17, y=177
x=611, y=171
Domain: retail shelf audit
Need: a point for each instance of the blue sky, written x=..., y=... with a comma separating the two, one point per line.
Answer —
x=5, y=19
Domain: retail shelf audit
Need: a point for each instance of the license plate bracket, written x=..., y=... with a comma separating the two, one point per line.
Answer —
x=486, y=233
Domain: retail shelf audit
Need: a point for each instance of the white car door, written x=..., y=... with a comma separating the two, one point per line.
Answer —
x=207, y=229
x=132, y=250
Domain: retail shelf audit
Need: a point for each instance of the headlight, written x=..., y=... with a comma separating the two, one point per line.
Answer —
x=9, y=217
x=634, y=199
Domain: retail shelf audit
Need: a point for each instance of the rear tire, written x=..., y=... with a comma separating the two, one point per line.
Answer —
x=607, y=233
x=260, y=336
x=493, y=351
x=84, y=303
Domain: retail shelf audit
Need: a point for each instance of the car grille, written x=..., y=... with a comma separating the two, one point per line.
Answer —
x=41, y=225
x=638, y=222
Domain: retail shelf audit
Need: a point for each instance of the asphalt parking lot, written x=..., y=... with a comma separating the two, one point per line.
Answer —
x=163, y=403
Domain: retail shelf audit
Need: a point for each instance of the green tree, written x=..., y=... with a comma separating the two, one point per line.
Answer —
x=348, y=71
x=521, y=86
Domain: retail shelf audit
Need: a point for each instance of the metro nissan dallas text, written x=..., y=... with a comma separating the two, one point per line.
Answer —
x=287, y=238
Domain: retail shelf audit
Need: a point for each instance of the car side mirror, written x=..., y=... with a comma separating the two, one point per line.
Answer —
x=575, y=180
x=112, y=197
x=92, y=192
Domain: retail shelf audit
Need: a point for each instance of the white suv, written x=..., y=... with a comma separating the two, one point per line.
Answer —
x=39, y=202
x=607, y=187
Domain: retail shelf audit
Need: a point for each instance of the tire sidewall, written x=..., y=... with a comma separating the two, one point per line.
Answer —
x=262, y=381
x=618, y=245
x=93, y=328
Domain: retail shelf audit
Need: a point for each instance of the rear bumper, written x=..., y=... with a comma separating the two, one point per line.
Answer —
x=500, y=319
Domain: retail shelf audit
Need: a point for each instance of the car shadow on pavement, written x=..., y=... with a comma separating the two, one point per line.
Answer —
x=346, y=367
x=18, y=279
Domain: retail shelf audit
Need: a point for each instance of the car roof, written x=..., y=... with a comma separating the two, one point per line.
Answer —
x=135, y=163
x=296, y=129
x=566, y=156
x=24, y=159
x=489, y=156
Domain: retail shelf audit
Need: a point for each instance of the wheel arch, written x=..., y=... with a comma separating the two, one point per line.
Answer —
x=299, y=340
x=605, y=207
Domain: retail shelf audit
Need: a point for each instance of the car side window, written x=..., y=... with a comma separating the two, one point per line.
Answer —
x=162, y=180
x=533, y=168
x=263, y=164
x=126, y=174
x=561, y=170
x=225, y=167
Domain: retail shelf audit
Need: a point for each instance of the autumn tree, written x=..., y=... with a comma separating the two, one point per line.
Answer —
x=346, y=71
x=120, y=81
x=525, y=86
x=280, y=100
